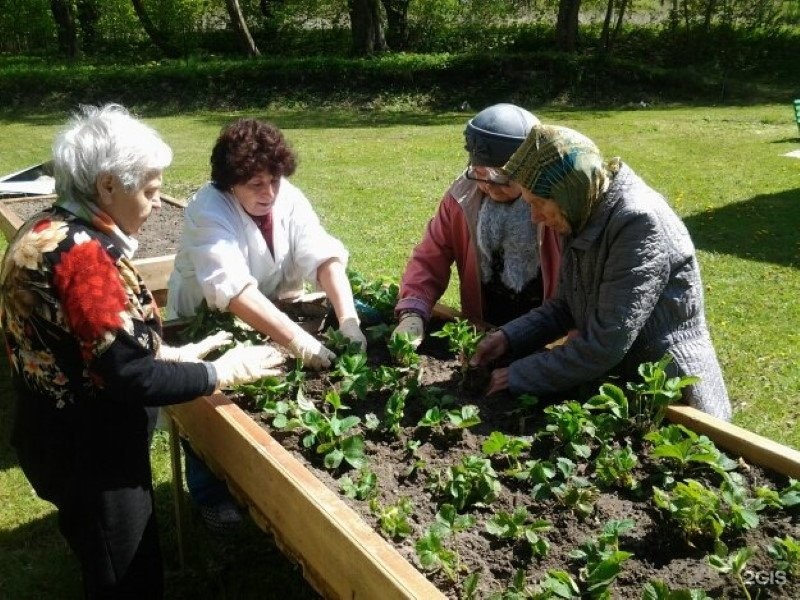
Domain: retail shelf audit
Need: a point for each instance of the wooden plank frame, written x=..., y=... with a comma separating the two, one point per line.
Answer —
x=341, y=556
x=155, y=270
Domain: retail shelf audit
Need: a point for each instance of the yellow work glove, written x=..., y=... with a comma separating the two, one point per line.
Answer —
x=350, y=328
x=412, y=325
x=195, y=352
x=243, y=364
x=310, y=351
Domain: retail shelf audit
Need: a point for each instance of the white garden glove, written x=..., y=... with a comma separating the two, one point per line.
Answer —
x=310, y=351
x=413, y=325
x=351, y=329
x=195, y=352
x=243, y=364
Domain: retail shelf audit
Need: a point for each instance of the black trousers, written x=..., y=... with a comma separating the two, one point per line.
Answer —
x=100, y=481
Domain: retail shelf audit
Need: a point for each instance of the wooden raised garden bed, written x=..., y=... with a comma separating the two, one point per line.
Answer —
x=342, y=556
x=160, y=233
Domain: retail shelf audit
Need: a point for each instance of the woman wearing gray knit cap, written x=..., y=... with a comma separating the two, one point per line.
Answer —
x=629, y=284
x=483, y=226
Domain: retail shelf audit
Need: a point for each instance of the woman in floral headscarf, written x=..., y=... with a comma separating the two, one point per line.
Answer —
x=83, y=336
x=629, y=286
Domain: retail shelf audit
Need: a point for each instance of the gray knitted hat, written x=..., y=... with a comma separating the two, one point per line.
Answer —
x=495, y=133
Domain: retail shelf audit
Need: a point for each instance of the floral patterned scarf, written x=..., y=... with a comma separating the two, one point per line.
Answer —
x=92, y=213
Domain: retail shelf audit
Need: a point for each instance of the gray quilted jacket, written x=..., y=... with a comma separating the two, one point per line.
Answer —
x=630, y=285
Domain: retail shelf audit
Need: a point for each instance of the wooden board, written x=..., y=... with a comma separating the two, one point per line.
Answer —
x=341, y=556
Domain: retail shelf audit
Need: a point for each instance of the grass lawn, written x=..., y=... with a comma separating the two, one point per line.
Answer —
x=375, y=180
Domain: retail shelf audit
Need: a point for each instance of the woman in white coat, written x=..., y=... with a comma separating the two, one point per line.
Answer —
x=251, y=238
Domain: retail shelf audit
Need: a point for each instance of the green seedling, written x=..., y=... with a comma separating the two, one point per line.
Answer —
x=393, y=519
x=356, y=375
x=404, y=351
x=786, y=554
x=578, y=495
x=682, y=450
x=733, y=564
x=462, y=339
x=507, y=447
x=363, y=487
x=515, y=527
x=655, y=393
x=472, y=482
x=614, y=468
x=330, y=434
x=379, y=294
x=206, y=322
x=571, y=426
x=602, y=559
x=339, y=343
x=540, y=474
x=395, y=410
x=658, y=590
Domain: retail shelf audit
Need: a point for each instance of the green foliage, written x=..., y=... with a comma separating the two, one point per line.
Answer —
x=329, y=433
x=339, y=343
x=403, y=350
x=206, y=322
x=658, y=590
x=786, y=554
x=733, y=564
x=515, y=527
x=355, y=373
x=614, y=468
x=499, y=444
x=572, y=426
x=682, y=450
x=462, y=338
x=395, y=410
x=471, y=482
x=363, y=487
x=655, y=393
x=380, y=294
x=602, y=559
x=393, y=519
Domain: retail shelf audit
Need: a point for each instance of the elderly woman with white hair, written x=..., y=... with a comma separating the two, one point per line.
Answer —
x=88, y=364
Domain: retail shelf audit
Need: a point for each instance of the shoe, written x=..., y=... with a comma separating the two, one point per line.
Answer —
x=223, y=518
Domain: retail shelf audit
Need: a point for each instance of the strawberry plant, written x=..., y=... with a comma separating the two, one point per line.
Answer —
x=785, y=552
x=499, y=444
x=431, y=548
x=378, y=294
x=329, y=434
x=732, y=563
x=614, y=468
x=658, y=590
x=393, y=519
x=363, y=487
x=514, y=526
x=472, y=482
x=462, y=339
x=339, y=343
x=403, y=350
x=655, y=393
x=355, y=373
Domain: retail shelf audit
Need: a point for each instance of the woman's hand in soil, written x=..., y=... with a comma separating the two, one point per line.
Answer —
x=310, y=351
x=352, y=331
x=243, y=364
x=195, y=352
x=490, y=348
x=412, y=325
x=498, y=381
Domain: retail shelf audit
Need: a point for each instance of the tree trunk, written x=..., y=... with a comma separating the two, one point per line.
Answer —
x=711, y=9
x=240, y=28
x=623, y=7
x=605, y=34
x=65, y=27
x=366, y=27
x=396, y=23
x=567, y=25
x=166, y=47
x=88, y=16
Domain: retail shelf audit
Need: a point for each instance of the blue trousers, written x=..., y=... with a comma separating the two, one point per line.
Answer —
x=205, y=488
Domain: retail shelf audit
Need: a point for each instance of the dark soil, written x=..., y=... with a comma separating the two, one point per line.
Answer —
x=159, y=236
x=660, y=552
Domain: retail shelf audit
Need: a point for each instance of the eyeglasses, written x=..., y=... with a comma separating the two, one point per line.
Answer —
x=490, y=175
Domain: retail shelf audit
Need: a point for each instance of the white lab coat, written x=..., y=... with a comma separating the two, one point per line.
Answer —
x=222, y=250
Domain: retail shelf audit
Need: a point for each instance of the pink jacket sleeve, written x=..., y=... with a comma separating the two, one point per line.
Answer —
x=427, y=273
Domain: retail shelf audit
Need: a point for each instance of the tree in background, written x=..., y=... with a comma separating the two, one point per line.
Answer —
x=240, y=28
x=567, y=25
x=366, y=27
x=66, y=30
x=396, y=23
x=162, y=42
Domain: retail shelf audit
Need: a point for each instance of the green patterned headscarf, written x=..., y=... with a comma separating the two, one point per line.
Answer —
x=560, y=164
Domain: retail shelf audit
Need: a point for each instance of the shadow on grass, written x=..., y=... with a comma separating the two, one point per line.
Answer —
x=763, y=228
x=37, y=562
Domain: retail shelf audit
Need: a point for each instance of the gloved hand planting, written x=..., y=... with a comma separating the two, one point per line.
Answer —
x=351, y=329
x=195, y=352
x=412, y=325
x=244, y=364
x=310, y=351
